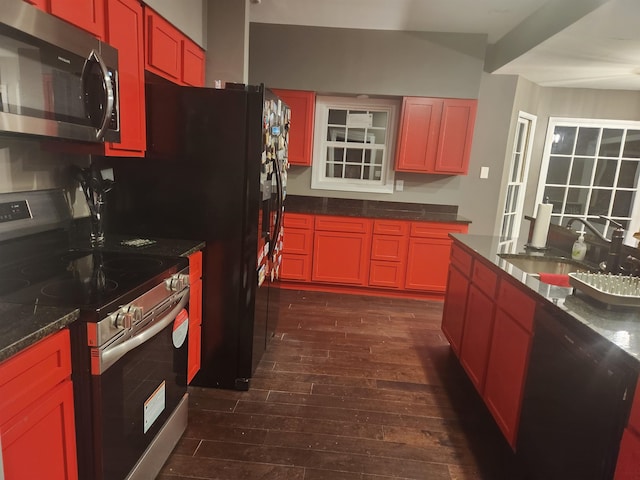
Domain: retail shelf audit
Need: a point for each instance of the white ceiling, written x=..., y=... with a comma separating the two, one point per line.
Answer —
x=600, y=50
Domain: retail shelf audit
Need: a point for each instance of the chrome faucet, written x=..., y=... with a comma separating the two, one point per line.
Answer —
x=612, y=264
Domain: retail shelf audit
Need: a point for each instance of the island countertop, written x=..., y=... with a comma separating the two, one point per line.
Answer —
x=619, y=326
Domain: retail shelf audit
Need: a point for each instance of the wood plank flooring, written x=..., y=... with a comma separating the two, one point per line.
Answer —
x=350, y=388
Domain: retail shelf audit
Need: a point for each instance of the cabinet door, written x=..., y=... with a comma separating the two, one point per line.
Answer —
x=340, y=257
x=476, y=336
x=39, y=442
x=193, y=64
x=163, y=51
x=125, y=24
x=419, y=130
x=455, y=305
x=386, y=274
x=303, y=106
x=456, y=134
x=628, y=466
x=506, y=372
x=389, y=248
x=85, y=14
x=296, y=267
x=195, y=329
x=428, y=264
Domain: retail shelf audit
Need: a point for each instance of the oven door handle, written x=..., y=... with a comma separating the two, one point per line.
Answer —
x=107, y=357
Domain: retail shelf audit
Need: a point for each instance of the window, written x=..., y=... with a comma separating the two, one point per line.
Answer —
x=590, y=168
x=354, y=144
x=517, y=182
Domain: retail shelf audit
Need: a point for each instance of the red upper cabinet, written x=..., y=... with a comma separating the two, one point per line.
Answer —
x=170, y=54
x=85, y=14
x=125, y=25
x=41, y=4
x=303, y=106
x=456, y=135
x=435, y=135
x=193, y=64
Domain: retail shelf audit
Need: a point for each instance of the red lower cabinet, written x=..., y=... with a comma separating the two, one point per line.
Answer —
x=428, y=264
x=476, y=336
x=37, y=425
x=628, y=466
x=195, y=315
x=455, y=307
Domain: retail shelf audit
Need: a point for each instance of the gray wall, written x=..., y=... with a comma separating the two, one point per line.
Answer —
x=227, y=41
x=378, y=62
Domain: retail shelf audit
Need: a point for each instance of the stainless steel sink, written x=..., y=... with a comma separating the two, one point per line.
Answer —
x=533, y=265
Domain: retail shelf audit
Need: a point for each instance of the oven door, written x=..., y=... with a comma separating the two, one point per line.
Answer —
x=135, y=397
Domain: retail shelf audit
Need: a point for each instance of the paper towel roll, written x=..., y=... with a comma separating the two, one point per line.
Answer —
x=541, y=228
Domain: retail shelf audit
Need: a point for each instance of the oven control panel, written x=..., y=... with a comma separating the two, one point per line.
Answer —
x=11, y=211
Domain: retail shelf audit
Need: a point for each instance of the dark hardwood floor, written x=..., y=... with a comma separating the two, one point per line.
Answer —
x=351, y=388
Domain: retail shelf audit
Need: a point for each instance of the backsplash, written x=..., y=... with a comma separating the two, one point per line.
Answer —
x=25, y=165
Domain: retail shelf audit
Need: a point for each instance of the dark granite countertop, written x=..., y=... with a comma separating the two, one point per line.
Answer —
x=619, y=326
x=23, y=325
x=373, y=209
x=161, y=246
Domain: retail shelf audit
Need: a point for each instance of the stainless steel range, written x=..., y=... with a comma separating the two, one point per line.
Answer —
x=129, y=348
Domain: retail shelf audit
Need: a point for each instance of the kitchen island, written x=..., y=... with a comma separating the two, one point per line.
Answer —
x=556, y=369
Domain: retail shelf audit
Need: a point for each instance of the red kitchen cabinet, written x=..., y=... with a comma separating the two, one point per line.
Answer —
x=41, y=4
x=341, y=247
x=170, y=54
x=628, y=466
x=297, y=247
x=388, y=253
x=193, y=64
x=85, y=14
x=508, y=358
x=125, y=25
x=195, y=315
x=303, y=106
x=435, y=135
x=428, y=257
x=37, y=413
x=476, y=336
x=455, y=306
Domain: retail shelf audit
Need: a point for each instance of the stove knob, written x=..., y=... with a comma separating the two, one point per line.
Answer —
x=177, y=282
x=127, y=316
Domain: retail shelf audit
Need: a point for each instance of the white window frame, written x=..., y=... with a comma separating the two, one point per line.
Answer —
x=634, y=221
x=318, y=178
x=522, y=151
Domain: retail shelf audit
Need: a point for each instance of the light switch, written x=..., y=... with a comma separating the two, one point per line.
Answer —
x=399, y=185
x=484, y=172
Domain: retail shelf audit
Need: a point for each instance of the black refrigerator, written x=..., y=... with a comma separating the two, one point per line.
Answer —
x=215, y=170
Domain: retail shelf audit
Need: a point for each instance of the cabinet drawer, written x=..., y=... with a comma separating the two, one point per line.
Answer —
x=390, y=227
x=386, y=274
x=33, y=372
x=297, y=241
x=436, y=229
x=484, y=278
x=195, y=266
x=461, y=259
x=520, y=306
x=296, y=267
x=389, y=248
x=343, y=224
x=298, y=220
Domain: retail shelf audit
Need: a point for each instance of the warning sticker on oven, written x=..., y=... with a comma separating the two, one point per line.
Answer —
x=154, y=406
x=180, y=328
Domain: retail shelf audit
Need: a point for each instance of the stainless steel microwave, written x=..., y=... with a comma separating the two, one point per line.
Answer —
x=55, y=79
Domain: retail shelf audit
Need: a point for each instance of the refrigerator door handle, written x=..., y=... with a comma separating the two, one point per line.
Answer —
x=279, y=205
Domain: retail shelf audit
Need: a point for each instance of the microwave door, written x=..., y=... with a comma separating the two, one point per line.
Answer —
x=99, y=96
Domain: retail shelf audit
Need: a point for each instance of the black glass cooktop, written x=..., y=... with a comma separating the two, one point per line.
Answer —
x=86, y=280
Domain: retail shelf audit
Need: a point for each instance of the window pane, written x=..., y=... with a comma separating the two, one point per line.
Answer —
x=377, y=173
x=622, y=204
x=378, y=157
x=555, y=196
x=376, y=136
x=337, y=117
x=522, y=130
x=507, y=203
x=581, y=171
x=587, y=140
x=605, y=173
x=379, y=119
x=599, y=204
x=563, y=140
x=354, y=155
x=576, y=201
x=366, y=171
x=514, y=198
x=334, y=171
x=353, y=171
x=611, y=142
x=516, y=172
x=335, y=154
x=628, y=176
x=336, y=134
x=558, y=170
x=632, y=144
x=356, y=135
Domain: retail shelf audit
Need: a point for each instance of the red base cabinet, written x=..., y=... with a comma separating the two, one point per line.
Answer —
x=341, y=249
x=37, y=423
x=297, y=247
x=389, y=247
x=195, y=315
x=455, y=307
x=628, y=466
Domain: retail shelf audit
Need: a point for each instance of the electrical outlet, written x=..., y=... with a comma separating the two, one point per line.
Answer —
x=399, y=185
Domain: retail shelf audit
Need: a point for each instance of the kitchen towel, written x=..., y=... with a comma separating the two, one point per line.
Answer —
x=541, y=227
x=560, y=279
